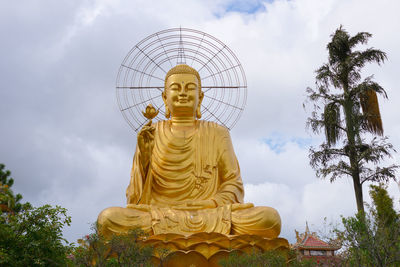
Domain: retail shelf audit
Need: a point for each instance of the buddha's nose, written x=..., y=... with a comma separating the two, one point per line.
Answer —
x=182, y=91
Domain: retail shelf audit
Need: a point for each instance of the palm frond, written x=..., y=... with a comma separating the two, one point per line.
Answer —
x=368, y=84
x=322, y=94
x=339, y=47
x=359, y=38
x=370, y=108
x=322, y=158
x=354, y=76
x=379, y=174
x=326, y=76
x=331, y=118
x=368, y=56
x=374, y=152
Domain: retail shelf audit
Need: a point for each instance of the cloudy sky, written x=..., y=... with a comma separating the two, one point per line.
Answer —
x=66, y=143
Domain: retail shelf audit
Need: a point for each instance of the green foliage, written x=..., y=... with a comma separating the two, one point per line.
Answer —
x=266, y=259
x=373, y=239
x=332, y=120
x=33, y=237
x=30, y=236
x=8, y=201
x=346, y=108
x=120, y=250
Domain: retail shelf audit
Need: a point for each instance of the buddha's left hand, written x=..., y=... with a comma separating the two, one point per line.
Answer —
x=197, y=205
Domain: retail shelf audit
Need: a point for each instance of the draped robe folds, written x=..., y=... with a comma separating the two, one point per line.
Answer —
x=202, y=166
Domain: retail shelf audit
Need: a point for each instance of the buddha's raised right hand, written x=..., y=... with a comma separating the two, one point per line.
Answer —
x=145, y=140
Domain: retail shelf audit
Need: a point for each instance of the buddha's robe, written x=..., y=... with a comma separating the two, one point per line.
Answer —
x=202, y=166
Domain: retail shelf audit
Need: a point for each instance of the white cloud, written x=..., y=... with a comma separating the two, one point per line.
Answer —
x=313, y=202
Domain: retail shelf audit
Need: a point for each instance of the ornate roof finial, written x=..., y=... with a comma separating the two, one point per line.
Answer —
x=307, y=229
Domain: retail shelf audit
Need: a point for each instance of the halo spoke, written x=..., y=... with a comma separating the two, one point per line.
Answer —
x=141, y=87
x=141, y=72
x=221, y=87
x=212, y=58
x=165, y=52
x=223, y=102
x=219, y=72
x=150, y=59
x=212, y=114
x=137, y=104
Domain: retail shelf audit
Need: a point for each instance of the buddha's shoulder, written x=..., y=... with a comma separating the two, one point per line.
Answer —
x=210, y=125
x=213, y=126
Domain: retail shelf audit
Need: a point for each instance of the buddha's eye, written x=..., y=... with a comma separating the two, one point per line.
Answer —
x=191, y=87
x=174, y=87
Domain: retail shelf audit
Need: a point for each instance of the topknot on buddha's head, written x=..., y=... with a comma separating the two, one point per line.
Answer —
x=182, y=69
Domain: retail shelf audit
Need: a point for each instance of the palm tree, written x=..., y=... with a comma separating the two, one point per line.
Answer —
x=346, y=108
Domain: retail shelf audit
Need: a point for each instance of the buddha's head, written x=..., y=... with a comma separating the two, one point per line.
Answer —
x=182, y=92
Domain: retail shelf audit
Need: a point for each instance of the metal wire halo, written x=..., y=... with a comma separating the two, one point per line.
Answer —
x=140, y=79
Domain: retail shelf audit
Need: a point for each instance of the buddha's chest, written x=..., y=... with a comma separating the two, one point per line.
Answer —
x=184, y=163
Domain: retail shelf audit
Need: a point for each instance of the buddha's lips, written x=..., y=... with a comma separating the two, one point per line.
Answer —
x=183, y=100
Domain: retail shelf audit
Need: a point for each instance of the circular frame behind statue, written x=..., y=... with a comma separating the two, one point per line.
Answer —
x=140, y=80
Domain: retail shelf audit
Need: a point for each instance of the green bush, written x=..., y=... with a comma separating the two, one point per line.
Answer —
x=372, y=239
x=265, y=259
x=120, y=250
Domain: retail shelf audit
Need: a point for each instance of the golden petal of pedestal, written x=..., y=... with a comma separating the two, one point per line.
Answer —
x=224, y=243
x=186, y=259
x=249, y=239
x=236, y=244
x=189, y=240
x=273, y=244
x=209, y=236
x=205, y=249
x=165, y=237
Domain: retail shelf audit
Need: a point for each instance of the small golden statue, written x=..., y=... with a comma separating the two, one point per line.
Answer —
x=185, y=178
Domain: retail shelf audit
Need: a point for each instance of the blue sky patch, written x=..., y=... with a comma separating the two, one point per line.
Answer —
x=248, y=7
x=276, y=142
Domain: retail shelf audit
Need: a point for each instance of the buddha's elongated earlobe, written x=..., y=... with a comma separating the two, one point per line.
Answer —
x=198, y=112
x=167, y=112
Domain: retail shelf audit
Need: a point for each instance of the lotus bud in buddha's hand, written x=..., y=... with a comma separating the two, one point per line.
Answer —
x=146, y=136
x=150, y=112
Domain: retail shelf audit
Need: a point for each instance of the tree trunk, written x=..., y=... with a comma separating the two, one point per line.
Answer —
x=352, y=154
x=358, y=191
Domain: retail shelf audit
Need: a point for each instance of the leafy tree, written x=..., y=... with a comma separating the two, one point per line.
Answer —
x=120, y=250
x=346, y=108
x=8, y=201
x=30, y=236
x=373, y=239
x=33, y=237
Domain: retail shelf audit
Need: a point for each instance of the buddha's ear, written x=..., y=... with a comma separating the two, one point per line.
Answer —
x=201, y=96
x=198, y=111
x=167, y=112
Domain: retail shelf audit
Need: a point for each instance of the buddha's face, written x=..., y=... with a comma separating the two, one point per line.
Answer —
x=182, y=96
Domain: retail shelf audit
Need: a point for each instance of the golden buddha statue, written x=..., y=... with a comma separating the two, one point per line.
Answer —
x=185, y=177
